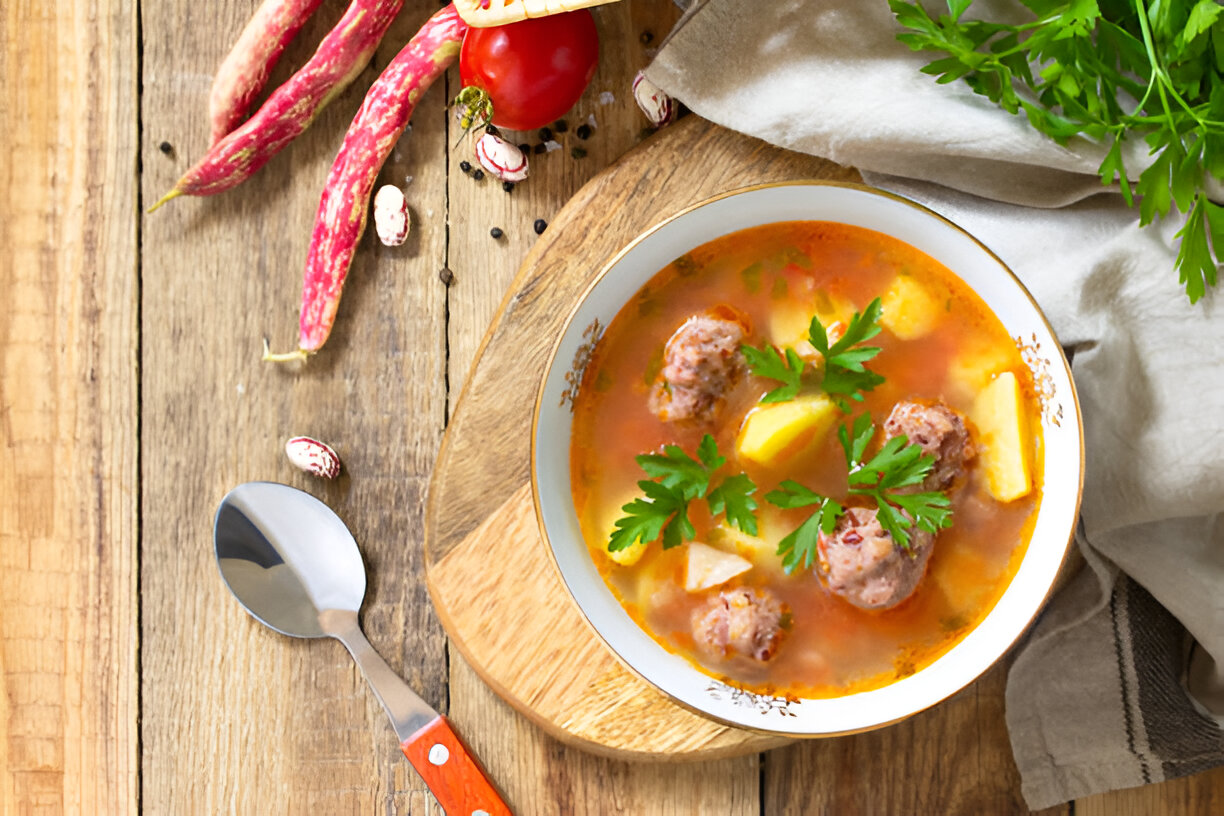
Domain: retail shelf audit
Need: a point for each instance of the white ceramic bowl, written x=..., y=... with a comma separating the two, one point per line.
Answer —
x=1062, y=476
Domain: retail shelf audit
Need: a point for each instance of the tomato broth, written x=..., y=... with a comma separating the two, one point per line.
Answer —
x=831, y=647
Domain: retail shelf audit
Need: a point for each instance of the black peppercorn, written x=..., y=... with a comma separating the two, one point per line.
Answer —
x=465, y=166
x=538, y=149
x=526, y=148
x=583, y=131
x=545, y=134
x=166, y=148
x=446, y=276
x=496, y=232
x=646, y=38
x=540, y=225
x=492, y=131
x=478, y=175
x=578, y=153
x=508, y=186
x=561, y=126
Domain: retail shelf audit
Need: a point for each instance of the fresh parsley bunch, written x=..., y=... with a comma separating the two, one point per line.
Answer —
x=1111, y=71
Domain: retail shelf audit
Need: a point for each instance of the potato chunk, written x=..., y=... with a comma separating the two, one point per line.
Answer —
x=628, y=556
x=789, y=323
x=708, y=567
x=909, y=309
x=607, y=525
x=726, y=537
x=975, y=366
x=775, y=430
x=1005, y=438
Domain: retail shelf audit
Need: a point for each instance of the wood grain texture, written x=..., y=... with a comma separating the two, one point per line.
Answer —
x=1199, y=795
x=68, y=648
x=269, y=719
x=544, y=777
x=951, y=759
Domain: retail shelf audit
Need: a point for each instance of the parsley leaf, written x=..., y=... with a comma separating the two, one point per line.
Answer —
x=1113, y=73
x=677, y=480
x=646, y=519
x=786, y=368
x=675, y=468
x=733, y=497
x=798, y=549
x=889, y=478
x=844, y=374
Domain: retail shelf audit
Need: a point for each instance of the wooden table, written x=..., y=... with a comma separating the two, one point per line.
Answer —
x=132, y=398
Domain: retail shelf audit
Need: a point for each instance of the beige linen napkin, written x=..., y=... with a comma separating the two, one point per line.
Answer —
x=1120, y=682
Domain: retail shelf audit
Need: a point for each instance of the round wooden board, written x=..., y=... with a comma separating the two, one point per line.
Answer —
x=496, y=590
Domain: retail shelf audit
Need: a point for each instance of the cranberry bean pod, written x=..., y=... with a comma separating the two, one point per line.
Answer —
x=343, y=54
x=345, y=204
x=245, y=69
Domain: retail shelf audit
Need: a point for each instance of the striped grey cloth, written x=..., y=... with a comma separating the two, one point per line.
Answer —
x=1120, y=682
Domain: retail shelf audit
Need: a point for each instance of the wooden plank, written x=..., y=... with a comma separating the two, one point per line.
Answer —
x=1189, y=796
x=539, y=774
x=543, y=777
x=68, y=468
x=953, y=758
x=238, y=719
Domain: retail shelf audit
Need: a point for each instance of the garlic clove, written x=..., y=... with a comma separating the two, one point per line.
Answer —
x=313, y=456
x=659, y=108
x=500, y=158
x=391, y=220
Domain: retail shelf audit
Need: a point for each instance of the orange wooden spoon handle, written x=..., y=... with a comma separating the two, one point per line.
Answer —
x=452, y=773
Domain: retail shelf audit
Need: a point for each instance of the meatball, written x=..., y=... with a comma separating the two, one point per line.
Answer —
x=741, y=621
x=861, y=563
x=940, y=432
x=701, y=362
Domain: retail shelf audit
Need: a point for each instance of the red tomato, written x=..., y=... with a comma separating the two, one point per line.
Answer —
x=533, y=70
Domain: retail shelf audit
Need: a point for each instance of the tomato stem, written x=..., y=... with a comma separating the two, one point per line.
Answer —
x=477, y=108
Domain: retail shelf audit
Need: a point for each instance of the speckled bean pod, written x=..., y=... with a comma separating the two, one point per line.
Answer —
x=343, y=54
x=245, y=69
x=344, y=206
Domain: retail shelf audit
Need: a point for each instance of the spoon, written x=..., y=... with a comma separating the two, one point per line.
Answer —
x=291, y=563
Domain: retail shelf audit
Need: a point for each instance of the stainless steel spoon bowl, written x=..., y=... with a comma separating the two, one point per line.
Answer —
x=293, y=564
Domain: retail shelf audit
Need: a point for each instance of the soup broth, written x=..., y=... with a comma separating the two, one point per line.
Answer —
x=939, y=344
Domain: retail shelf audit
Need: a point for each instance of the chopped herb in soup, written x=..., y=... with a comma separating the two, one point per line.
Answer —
x=805, y=458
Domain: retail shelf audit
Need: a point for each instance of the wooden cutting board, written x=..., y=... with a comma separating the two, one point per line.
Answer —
x=496, y=591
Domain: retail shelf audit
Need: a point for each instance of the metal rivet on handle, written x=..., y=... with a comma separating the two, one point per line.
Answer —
x=438, y=754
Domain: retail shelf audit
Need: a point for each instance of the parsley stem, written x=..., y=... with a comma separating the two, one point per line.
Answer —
x=1159, y=75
